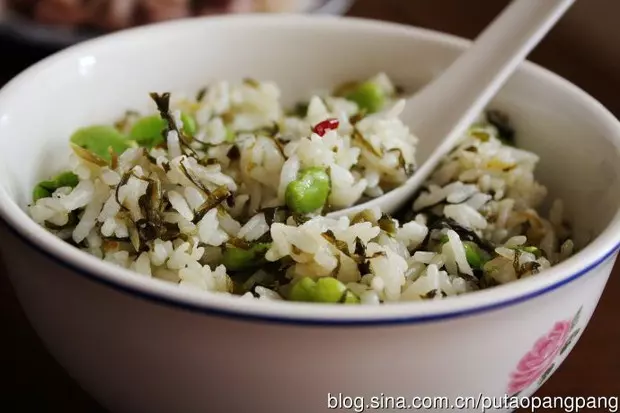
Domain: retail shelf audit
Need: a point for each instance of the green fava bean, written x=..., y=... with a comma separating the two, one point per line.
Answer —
x=45, y=189
x=329, y=290
x=236, y=259
x=67, y=179
x=99, y=138
x=303, y=290
x=368, y=96
x=309, y=191
x=40, y=192
x=149, y=131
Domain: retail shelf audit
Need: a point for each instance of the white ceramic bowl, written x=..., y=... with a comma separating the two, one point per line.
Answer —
x=140, y=345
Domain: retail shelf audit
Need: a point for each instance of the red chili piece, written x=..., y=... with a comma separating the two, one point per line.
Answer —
x=321, y=128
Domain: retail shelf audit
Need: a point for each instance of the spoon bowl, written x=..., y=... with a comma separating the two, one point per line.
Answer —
x=440, y=113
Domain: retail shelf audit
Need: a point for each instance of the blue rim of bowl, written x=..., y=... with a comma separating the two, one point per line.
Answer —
x=179, y=303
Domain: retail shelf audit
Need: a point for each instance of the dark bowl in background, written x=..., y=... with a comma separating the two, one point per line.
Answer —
x=59, y=29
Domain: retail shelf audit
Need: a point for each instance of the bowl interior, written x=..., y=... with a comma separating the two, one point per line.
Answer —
x=97, y=82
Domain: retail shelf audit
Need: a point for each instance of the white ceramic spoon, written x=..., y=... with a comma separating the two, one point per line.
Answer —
x=443, y=110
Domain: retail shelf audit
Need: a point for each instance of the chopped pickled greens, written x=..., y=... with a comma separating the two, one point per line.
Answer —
x=464, y=233
x=476, y=256
x=214, y=199
x=163, y=107
x=502, y=123
x=201, y=94
x=251, y=82
x=387, y=224
x=341, y=245
x=357, y=135
x=300, y=110
x=363, y=216
x=348, y=297
x=199, y=199
x=483, y=136
x=262, y=278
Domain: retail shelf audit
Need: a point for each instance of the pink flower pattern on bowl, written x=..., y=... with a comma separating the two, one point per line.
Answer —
x=538, y=363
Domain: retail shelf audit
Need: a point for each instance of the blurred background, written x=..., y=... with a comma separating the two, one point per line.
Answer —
x=582, y=48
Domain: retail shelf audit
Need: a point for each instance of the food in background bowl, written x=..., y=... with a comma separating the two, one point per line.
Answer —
x=227, y=191
x=120, y=14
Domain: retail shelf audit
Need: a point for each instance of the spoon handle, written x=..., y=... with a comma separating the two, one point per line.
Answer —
x=445, y=108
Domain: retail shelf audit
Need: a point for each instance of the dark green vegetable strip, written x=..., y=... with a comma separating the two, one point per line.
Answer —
x=72, y=221
x=214, y=199
x=262, y=278
x=300, y=110
x=387, y=224
x=345, y=88
x=465, y=234
x=363, y=216
x=163, y=106
x=251, y=82
x=341, y=245
x=475, y=256
x=349, y=298
x=357, y=135
x=502, y=124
